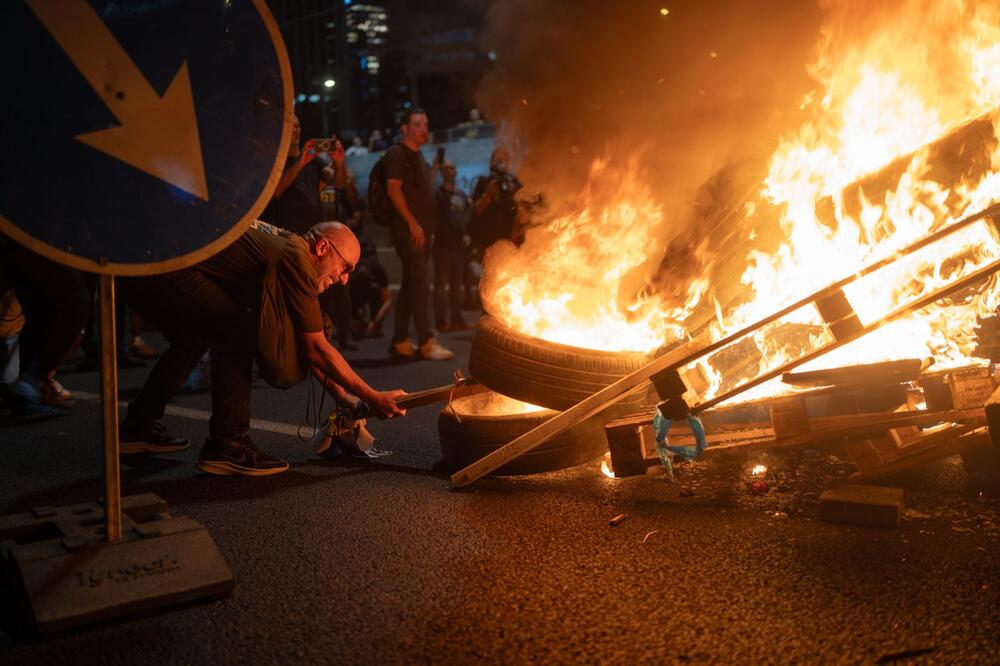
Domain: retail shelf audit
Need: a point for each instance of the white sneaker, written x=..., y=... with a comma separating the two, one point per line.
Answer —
x=432, y=351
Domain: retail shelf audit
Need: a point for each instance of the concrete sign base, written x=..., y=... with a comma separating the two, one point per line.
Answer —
x=68, y=575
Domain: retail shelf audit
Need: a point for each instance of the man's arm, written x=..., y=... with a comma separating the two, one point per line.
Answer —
x=289, y=175
x=394, y=188
x=483, y=201
x=336, y=173
x=333, y=369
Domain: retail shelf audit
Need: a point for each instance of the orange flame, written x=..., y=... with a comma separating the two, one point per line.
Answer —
x=892, y=84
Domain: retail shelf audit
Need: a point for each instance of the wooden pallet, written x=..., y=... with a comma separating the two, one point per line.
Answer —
x=878, y=443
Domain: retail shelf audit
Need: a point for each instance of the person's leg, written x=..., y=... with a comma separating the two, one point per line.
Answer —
x=56, y=304
x=404, y=302
x=441, y=266
x=229, y=449
x=232, y=377
x=456, y=267
x=192, y=312
x=420, y=295
x=342, y=315
x=138, y=346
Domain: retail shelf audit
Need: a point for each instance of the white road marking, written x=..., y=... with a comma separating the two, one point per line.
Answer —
x=202, y=415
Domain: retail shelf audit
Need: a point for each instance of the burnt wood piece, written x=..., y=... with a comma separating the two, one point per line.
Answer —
x=889, y=372
x=628, y=450
x=855, y=504
x=460, y=389
x=929, y=447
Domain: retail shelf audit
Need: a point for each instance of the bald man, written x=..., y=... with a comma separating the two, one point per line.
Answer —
x=214, y=305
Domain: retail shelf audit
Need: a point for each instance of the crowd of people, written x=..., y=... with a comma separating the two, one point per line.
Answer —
x=307, y=268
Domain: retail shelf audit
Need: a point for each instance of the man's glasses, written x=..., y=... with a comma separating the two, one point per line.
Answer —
x=348, y=265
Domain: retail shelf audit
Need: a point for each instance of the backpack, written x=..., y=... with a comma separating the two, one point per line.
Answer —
x=379, y=205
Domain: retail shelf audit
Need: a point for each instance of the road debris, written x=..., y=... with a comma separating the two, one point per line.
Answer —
x=648, y=534
x=617, y=520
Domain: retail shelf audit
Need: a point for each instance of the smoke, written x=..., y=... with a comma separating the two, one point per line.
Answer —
x=690, y=96
x=705, y=85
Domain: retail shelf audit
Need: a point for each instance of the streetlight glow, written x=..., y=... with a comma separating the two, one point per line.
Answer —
x=329, y=83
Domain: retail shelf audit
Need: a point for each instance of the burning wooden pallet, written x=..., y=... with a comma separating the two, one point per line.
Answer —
x=842, y=322
x=878, y=442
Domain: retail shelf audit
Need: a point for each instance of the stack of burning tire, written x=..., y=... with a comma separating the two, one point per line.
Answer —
x=529, y=380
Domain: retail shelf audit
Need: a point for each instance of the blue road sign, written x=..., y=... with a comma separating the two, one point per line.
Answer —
x=139, y=137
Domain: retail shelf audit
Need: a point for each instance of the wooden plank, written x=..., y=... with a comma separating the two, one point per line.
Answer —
x=856, y=504
x=945, y=444
x=440, y=394
x=862, y=454
x=789, y=416
x=887, y=372
x=867, y=422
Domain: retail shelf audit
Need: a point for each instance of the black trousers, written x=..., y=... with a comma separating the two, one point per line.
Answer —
x=365, y=291
x=336, y=303
x=449, y=269
x=56, y=305
x=414, y=290
x=196, y=315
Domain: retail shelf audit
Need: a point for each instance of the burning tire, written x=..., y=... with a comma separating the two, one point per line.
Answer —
x=550, y=374
x=468, y=430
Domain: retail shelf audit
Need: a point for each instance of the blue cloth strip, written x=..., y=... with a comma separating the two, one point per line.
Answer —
x=661, y=426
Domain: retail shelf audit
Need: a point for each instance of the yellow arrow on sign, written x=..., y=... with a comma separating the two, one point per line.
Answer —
x=158, y=135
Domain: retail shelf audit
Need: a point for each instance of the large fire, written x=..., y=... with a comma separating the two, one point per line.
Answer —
x=890, y=89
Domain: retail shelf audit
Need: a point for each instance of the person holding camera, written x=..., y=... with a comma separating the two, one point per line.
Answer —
x=296, y=204
x=494, y=208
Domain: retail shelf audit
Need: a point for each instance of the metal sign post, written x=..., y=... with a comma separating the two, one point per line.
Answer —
x=143, y=138
x=109, y=409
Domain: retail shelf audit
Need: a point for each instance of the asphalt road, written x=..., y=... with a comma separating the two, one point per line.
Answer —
x=380, y=562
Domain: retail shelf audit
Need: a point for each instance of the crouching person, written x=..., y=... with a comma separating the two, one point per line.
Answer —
x=256, y=298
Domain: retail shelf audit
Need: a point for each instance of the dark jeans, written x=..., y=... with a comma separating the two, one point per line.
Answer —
x=336, y=303
x=195, y=315
x=449, y=269
x=55, y=302
x=414, y=290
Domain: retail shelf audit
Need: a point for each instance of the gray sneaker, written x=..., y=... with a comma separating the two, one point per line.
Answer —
x=433, y=351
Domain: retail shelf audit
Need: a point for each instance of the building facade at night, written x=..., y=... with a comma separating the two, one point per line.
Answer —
x=336, y=53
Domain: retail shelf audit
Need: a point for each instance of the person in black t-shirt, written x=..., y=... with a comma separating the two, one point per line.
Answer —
x=410, y=188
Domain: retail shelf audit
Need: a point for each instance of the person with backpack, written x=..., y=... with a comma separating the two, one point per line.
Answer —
x=401, y=195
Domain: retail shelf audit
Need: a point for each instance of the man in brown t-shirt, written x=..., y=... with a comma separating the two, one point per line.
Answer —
x=214, y=305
